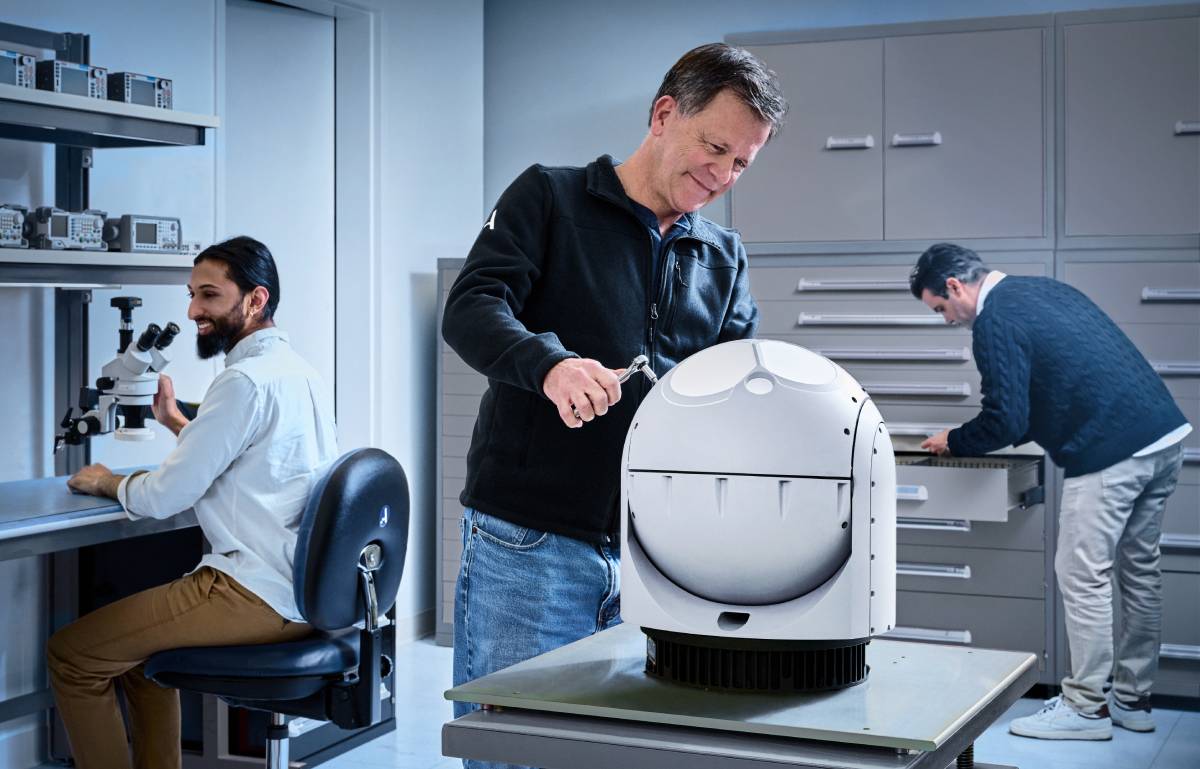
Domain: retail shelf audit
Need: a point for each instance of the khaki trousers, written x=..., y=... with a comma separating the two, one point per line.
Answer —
x=85, y=658
x=1110, y=524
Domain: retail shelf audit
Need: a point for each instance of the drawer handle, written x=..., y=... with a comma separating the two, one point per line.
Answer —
x=1179, y=651
x=934, y=524
x=930, y=634
x=1187, y=127
x=914, y=493
x=851, y=285
x=1170, y=294
x=852, y=142
x=905, y=354
x=1180, y=541
x=1177, y=367
x=1191, y=455
x=918, y=429
x=958, y=389
x=948, y=571
x=917, y=140
x=1031, y=497
x=808, y=319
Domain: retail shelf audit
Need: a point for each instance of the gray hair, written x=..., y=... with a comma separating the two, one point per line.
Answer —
x=943, y=261
x=702, y=73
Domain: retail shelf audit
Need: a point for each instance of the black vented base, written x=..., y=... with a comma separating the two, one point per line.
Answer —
x=751, y=665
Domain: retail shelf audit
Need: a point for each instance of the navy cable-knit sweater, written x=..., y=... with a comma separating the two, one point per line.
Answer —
x=1058, y=371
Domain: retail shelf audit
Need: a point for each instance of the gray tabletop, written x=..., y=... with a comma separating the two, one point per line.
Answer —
x=917, y=696
x=42, y=516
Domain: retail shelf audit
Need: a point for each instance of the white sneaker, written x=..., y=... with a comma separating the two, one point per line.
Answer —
x=1059, y=721
x=1133, y=719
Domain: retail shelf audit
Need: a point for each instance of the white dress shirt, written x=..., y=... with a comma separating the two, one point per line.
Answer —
x=261, y=439
x=1168, y=440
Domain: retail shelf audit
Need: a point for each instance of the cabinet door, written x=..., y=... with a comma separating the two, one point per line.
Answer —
x=799, y=189
x=981, y=94
x=1130, y=170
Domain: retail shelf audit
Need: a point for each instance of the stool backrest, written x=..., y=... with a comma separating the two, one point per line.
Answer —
x=362, y=499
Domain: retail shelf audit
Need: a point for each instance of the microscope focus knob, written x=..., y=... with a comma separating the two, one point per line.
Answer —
x=105, y=383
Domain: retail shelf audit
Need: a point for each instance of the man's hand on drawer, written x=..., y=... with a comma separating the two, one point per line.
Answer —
x=938, y=444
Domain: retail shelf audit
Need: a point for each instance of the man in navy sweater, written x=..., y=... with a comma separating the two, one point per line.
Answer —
x=1056, y=370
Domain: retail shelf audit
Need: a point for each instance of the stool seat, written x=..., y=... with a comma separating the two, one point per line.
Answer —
x=283, y=671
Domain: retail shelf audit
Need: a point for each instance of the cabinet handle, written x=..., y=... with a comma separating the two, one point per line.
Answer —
x=1177, y=368
x=808, y=319
x=1191, y=455
x=851, y=285
x=850, y=142
x=1187, y=127
x=913, y=493
x=917, y=140
x=1170, y=294
x=934, y=524
x=914, y=428
x=930, y=634
x=903, y=354
x=1179, y=651
x=1180, y=541
x=957, y=390
x=944, y=570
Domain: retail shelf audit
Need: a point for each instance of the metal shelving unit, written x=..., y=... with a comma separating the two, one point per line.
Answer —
x=76, y=126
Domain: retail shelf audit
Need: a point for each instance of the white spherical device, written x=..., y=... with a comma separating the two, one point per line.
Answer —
x=758, y=521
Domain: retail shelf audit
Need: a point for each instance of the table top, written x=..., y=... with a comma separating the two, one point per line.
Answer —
x=916, y=695
x=44, y=500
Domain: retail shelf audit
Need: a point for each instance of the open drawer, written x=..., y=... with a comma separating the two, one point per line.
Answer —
x=966, y=489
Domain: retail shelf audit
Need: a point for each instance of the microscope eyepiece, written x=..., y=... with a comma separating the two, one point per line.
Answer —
x=149, y=337
x=168, y=335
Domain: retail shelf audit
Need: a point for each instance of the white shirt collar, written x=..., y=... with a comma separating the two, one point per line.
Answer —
x=993, y=277
x=244, y=348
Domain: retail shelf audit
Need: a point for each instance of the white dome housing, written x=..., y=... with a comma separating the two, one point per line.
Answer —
x=758, y=516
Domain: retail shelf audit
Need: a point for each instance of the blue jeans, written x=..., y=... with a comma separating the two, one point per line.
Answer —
x=523, y=592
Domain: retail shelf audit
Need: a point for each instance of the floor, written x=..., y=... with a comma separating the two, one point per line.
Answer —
x=423, y=670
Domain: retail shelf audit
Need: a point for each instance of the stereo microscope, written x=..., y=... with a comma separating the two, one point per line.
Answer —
x=127, y=384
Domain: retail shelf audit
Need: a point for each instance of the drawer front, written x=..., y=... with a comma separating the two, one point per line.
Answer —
x=1182, y=517
x=1016, y=624
x=978, y=571
x=951, y=356
x=860, y=282
x=1024, y=530
x=975, y=490
x=1134, y=292
x=932, y=383
x=791, y=317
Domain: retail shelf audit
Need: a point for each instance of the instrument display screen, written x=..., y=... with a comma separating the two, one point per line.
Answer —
x=144, y=232
x=74, y=81
x=142, y=92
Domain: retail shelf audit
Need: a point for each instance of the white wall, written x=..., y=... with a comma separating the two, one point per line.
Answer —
x=431, y=200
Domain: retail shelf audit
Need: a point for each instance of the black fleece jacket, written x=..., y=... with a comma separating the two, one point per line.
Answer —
x=563, y=268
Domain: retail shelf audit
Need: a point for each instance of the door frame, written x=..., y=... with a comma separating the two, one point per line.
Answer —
x=357, y=255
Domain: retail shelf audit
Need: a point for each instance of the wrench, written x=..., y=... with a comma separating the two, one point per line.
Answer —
x=640, y=363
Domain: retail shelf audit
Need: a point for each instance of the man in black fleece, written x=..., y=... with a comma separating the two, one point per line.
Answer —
x=1056, y=370
x=575, y=272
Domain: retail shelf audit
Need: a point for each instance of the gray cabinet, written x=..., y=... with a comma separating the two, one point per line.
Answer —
x=1131, y=126
x=909, y=136
x=979, y=96
x=459, y=389
x=822, y=177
